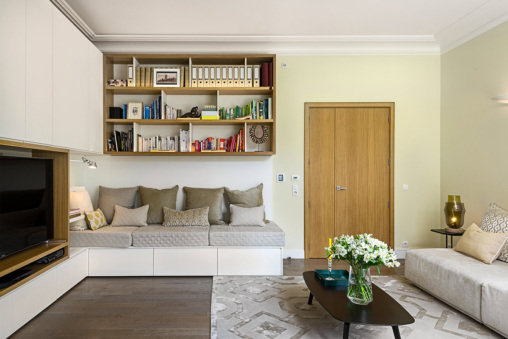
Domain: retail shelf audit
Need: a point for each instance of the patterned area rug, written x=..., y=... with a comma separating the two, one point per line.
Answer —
x=276, y=308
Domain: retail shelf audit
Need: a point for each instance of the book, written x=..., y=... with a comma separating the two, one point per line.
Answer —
x=186, y=76
x=270, y=114
x=241, y=82
x=182, y=76
x=148, y=77
x=138, y=76
x=224, y=76
x=142, y=76
x=200, y=76
x=255, y=76
x=236, y=76
x=130, y=76
x=210, y=117
x=264, y=75
x=248, y=79
x=218, y=78
x=194, y=80
x=270, y=74
x=230, y=76
x=206, y=76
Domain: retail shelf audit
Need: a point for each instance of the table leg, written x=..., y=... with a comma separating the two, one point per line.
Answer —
x=310, y=299
x=447, y=241
x=451, y=241
x=345, y=334
x=396, y=332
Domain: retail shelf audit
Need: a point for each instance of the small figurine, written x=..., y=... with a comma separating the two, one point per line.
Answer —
x=192, y=114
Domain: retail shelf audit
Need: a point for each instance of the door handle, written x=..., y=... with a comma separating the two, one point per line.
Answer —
x=341, y=188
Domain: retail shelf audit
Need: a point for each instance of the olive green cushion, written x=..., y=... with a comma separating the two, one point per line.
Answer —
x=253, y=197
x=157, y=200
x=205, y=197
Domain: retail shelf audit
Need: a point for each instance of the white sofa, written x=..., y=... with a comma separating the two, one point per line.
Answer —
x=156, y=250
x=474, y=288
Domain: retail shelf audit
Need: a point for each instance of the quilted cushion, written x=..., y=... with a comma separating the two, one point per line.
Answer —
x=495, y=220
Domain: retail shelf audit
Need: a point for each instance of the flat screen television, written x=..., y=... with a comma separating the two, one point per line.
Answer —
x=26, y=203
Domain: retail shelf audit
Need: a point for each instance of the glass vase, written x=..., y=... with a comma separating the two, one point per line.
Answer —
x=359, y=288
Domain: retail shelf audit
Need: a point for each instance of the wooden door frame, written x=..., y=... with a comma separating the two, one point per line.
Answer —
x=308, y=106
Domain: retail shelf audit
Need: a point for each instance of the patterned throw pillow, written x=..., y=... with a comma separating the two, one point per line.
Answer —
x=247, y=216
x=130, y=217
x=495, y=220
x=95, y=219
x=194, y=217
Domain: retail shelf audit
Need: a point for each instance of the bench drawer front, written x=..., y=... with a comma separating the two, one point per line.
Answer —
x=110, y=262
x=250, y=261
x=198, y=261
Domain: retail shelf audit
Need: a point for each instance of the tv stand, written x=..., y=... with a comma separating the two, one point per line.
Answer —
x=14, y=277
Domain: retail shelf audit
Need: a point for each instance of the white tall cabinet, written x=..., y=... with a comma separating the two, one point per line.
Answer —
x=12, y=69
x=51, y=78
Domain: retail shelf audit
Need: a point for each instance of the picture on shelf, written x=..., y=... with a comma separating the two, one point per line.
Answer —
x=164, y=77
x=134, y=110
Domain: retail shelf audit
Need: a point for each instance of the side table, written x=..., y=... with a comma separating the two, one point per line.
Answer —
x=447, y=234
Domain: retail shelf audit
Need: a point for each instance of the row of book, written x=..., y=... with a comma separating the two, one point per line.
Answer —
x=235, y=143
x=261, y=109
x=207, y=76
x=75, y=212
x=158, y=144
x=121, y=141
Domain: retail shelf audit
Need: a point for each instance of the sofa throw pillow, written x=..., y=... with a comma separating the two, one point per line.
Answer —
x=130, y=216
x=205, y=197
x=109, y=197
x=95, y=219
x=481, y=245
x=247, y=216
x=495, y=220
x=253, y=197
x=194, y=217
x=80, y=199
x=157, y=199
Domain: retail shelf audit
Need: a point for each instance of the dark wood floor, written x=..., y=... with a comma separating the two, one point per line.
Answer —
x=155, y=307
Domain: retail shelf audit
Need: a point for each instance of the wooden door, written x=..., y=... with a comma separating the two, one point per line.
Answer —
x=348, y=146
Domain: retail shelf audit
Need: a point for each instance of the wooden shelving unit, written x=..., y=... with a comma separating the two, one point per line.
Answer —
x=26, y=258
x=115, y=67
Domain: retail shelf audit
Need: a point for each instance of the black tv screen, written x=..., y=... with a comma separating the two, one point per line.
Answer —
x=26, y=203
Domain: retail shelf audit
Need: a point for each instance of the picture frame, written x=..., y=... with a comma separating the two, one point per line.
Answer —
x=134, y=110
x=166, y=77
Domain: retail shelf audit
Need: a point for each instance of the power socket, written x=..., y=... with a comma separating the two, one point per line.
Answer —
x=405, y=244
x=295, y=190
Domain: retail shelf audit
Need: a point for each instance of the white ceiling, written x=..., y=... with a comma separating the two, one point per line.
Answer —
x=434, y=25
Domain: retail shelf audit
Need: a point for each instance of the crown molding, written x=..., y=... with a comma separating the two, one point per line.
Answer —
x=74, y=18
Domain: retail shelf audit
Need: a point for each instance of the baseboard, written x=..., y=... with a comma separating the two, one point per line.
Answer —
x=294, y=254
x=401, y=253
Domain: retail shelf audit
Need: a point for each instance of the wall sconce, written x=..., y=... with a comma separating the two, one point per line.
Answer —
x=501, y=99
x=91, y=164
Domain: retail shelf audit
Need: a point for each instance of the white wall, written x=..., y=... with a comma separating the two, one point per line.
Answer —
x=237, y=172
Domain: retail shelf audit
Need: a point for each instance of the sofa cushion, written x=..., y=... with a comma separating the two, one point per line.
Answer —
x=253, y=197
x=247, y=216
x=195, y=217
x=451, y=276
x=109, y=197
x=495, y=301
x=157, y=199
x=495, y=220
x=480, y=245
x=104, y=237
x=130, y=216
x=225, y=235
x=160, y=236
x=202, y=197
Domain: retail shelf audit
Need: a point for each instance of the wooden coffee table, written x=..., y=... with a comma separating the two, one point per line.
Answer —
x=382, y=311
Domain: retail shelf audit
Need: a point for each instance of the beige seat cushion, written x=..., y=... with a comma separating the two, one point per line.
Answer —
x=495, y=302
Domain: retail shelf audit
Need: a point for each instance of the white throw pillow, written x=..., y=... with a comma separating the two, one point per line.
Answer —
x=130, y=217
x=80, y=199
x=495, y=220
x=247, y=216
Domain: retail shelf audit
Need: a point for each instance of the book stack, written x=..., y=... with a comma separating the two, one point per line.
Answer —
x=261, y=109
x=210, y=113
x=210, y=145
x=73, y=213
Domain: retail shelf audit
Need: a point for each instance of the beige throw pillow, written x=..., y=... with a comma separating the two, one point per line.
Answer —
x=80, y=199
x=156, y=200
x=247, y=216
x=109, y=197
x=206, y=197
x=195, y=217
x=130, y=217
x=495, y=220
x=480, y=245
x=253, y=197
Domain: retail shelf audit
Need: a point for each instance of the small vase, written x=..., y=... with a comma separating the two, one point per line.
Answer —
x=359, y=288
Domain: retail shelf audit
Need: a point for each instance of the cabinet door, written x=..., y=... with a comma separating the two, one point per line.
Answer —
x=12, y=69
x=95, y=121
x=71, y=86
x=39, y=71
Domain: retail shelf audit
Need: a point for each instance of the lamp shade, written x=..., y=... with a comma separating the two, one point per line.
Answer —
x=454, y=214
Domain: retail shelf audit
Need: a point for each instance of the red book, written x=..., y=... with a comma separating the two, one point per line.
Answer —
x=264, y=74
x=270, y=74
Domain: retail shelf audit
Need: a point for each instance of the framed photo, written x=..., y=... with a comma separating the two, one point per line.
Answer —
x=134, y=110
x=166, y=77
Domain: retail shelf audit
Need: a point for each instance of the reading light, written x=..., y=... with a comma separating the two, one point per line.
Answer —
x=501, y=98
x=91, y=164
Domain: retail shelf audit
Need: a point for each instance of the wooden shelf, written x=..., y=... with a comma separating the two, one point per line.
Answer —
x=190, y=153
x=26, y=257
x=185, y=122
x=190, y=90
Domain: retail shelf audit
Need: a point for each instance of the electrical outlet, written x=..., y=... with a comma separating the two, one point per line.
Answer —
x=405, y=244
x=284, y=65
x=295, y=190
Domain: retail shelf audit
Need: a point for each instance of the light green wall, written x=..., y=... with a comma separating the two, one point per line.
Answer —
x=413, y=83
x=474, y=129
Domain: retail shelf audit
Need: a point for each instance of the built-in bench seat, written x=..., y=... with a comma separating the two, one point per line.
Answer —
x=107, y=236
x=160, y=236
x=225, y=235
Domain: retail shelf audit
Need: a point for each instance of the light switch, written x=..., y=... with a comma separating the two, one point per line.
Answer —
x=295, y=190
x=405, y=187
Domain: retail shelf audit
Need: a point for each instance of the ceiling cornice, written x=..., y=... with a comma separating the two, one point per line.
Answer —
x=74, y=18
